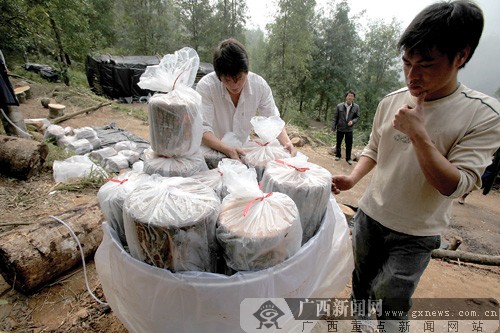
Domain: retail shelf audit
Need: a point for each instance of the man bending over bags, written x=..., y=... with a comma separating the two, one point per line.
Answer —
x=231, y=96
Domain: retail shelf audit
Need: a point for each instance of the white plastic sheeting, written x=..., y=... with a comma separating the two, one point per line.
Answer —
x=150, y=299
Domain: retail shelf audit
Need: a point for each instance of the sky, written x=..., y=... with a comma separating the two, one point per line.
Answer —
x=481, y=73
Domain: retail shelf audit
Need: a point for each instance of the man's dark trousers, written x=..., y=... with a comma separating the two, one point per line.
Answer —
x=348, y=144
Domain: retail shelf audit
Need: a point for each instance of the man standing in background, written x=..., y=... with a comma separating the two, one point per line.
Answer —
x=346, y=116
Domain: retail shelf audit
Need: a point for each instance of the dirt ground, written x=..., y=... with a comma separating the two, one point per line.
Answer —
x=66, y=306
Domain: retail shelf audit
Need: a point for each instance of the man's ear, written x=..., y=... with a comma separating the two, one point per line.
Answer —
x=463, y=56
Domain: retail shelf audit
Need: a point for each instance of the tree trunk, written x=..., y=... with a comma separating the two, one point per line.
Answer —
x=62, y=57
x=34, y=255
x=475, y=258
x=21, y=158
x=76, y=113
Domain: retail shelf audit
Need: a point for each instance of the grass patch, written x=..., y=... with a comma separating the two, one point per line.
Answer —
x=56, y=153
x=137, y=113
x=93, y=181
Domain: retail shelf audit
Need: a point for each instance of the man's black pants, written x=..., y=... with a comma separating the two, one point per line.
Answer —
x=348, y=144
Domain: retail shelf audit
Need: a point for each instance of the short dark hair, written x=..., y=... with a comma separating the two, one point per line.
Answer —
x=448, y=26
x=350, y=92
x=230, y=58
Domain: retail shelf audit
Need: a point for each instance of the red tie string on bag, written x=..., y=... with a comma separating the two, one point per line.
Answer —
x=261, y=144
x=292, y=166
x=249, y=205
x=177, y=78
x=117, y=181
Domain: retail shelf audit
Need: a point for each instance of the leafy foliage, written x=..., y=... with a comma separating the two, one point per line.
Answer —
x=290, y=46
x=310, y=56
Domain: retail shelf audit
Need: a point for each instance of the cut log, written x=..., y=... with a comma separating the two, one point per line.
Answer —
x=86, y=110
x=482, y=259
x=348, y=211
x=39, y=124
x=21, y=158
x=23, y=90
x=45, y=102
x=56, y=110
x=297, y=141
x=34, y=255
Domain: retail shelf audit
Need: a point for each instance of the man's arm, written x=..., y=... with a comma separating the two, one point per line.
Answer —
x=355, y=116
x=335, y=119
x=285, y=142
x=438, y=171
x=209, y=139
x=362, y=168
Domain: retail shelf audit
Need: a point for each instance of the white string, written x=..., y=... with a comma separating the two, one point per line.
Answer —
x=83, y=259
x=20, y=130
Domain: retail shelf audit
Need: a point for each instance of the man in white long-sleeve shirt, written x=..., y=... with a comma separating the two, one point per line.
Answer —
x=231, y=96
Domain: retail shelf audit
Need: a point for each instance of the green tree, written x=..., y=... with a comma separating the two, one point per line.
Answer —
x=146, y=27
x=196, y=23
x=290, y=50
x=15, y=28
x=336, y=59
x=229, y=19
x=256, y=46
x=63, y=29
x=380, y=68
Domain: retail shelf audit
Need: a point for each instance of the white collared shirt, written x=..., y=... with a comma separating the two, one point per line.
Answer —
x=348, y=108
x=220, y=116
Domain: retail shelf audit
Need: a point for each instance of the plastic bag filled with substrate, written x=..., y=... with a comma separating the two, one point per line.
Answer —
x=308, y=184
x=213, y=157
x=175, y=166
x=266, y=147
x=112, y=195
x=213, y=177
x=321, y=268
x=175, y=121
x=76, y=167
x=170, y=223
x=256, y=230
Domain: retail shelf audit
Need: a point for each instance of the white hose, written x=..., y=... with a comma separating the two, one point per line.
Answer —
x=83, y=259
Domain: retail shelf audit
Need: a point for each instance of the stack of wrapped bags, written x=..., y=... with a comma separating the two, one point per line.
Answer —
x=196, y=227
x=84, y=141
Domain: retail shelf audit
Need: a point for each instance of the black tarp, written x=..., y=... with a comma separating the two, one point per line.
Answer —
x=45, y=71
x=117, y=76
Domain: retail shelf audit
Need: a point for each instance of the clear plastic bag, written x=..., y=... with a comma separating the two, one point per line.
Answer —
x=260, y=151
x=179, y=166
x=170, y=223
x=256, y=230
x=154, y=300
x=213, y=157
x=175, y=121
x=267, y=128
x=308, y=184
x=173, y=71
x=111, y=197
x=76, y=167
